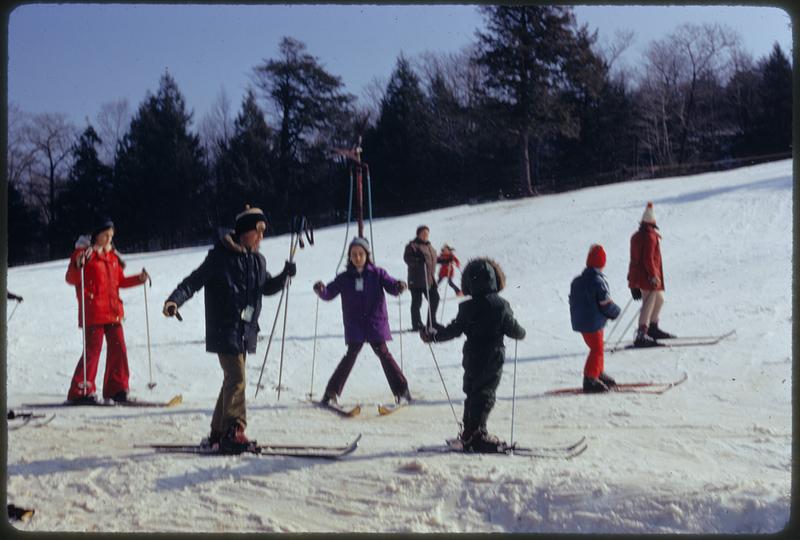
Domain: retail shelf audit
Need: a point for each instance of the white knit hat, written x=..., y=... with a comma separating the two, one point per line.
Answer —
x=649, y=215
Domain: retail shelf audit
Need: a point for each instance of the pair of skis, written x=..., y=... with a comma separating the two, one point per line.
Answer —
x=383, y=409
x=176, y=400
x=648, y=387
x=301, y=451
x=568, y=451
x=688, y=341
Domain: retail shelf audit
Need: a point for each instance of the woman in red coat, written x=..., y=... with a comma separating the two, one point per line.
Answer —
x=646, y=279
x=102, y=279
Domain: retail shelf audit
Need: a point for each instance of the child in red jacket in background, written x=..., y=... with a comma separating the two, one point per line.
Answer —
x=102, y=278
x=449, y=262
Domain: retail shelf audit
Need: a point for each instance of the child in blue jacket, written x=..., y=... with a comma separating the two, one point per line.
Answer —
x=590, y=307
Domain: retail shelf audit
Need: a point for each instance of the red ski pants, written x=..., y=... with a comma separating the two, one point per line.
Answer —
x=594, y=362
x=116, y=375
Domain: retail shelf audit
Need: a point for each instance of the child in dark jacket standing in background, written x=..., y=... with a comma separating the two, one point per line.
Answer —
x=484, y=319
x=590, y=307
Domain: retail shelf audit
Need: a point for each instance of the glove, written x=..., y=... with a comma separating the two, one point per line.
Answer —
x=170, y=308
x=144, y=276
x=12, y=296
x=318, y=286
x=401, y=287
x=427, y=335
x=636, y=294
x=289, y=269
x=83, y=258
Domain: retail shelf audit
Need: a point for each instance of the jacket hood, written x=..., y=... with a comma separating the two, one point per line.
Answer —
x=226, y=239
x=482, y=276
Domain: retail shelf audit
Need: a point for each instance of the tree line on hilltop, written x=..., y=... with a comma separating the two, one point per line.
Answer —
x=534, y=105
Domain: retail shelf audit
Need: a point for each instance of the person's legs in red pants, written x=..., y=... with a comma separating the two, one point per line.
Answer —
x=117, y=373
x=94, y=344
x=594, y=362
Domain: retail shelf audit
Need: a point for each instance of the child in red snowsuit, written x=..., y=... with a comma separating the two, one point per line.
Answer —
x=102, y=268
x=449, y=262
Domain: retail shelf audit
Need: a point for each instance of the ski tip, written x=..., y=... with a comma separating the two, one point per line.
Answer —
x=356, y=440
x=177, y=400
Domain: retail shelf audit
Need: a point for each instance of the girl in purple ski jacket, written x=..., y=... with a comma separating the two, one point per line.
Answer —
x=365, y=318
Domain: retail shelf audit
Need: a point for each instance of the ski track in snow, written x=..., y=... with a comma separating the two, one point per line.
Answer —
x=710, y=456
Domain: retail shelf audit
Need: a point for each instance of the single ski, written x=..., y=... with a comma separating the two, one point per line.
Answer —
x=559, y=452
x=176, y=400
x=27, y=418
x=303, y=451
x=649, y=387
x=389, y=408
x=338, y=409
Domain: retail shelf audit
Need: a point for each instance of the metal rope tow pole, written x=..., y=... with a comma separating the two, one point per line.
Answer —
x=446, y=393
x=151, y=384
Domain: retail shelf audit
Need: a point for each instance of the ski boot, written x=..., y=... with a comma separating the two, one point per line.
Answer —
x=657, y=333
x=642, y=339
x=235, y=441
x=608, y=380
x=91, y=399
x=481, y=442
x=404, y=398
x=594, y=386
x=212, y=441
x=120, y=397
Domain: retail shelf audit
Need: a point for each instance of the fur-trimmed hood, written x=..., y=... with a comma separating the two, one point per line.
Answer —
x=482, y=276
x=227, y=239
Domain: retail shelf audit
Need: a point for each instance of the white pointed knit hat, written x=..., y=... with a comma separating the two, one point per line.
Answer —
x=649, y=215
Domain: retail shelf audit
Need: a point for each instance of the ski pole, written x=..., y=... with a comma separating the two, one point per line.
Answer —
x=314, y=352
x=444, y=299
x=301, y=222
x=400, y=325
x=621, y=315
x=84, y=385
x=430, y=347
x=12, y=312
x=636, y=316
x=514, y=393
x=428, y=296
x=369, y=201
x=275, y=321
x=269, y=341
x=151, y=384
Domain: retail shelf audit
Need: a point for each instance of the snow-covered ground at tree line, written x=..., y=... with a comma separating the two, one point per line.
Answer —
x=710, y=456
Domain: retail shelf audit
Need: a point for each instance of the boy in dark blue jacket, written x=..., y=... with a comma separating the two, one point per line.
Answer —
x=590, y=307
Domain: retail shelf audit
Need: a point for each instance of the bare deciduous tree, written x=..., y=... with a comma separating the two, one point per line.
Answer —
x=51, y=136
x=216, y=127
x=112, y=123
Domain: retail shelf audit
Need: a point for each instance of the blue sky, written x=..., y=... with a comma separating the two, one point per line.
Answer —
x=72, y=58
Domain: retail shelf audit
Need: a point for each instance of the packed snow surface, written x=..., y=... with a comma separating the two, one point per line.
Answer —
x=712, y=455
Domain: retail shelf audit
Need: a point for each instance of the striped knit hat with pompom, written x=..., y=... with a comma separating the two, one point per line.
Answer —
x=248, y=219
x=649, y=215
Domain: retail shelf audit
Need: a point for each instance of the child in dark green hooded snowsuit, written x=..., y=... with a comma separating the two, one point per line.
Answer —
x=484, y=318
